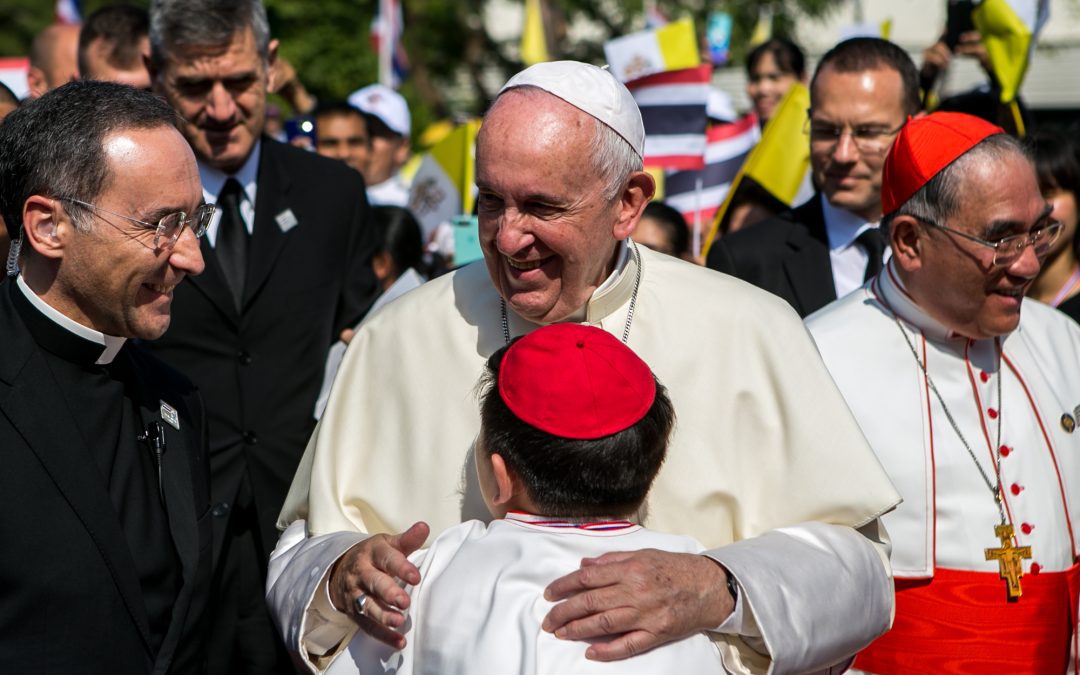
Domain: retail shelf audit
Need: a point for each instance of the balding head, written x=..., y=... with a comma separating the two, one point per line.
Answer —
x=53, y=58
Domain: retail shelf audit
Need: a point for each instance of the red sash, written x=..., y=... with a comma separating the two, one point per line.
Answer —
x=961, y=622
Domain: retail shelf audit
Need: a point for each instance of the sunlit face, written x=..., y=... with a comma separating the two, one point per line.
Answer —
x=851, y=178
x=767, y=85
x=956, y=282
x=388, y=153
x=111, y=278
x=547, y=230
x=343, y=137
x=98, y=66
x=221, y=95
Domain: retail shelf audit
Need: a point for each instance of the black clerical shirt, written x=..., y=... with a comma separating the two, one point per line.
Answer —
x=103, y=400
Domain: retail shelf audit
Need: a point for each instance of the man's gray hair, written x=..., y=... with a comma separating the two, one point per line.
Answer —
x=611, y=156
x=939, y=199
x=179, y=24
x=54, y=146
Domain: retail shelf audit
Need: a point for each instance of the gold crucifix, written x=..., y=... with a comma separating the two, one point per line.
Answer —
x=1009, y=557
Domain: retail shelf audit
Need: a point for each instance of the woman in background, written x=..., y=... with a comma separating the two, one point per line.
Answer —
x=771, y=68
x=1057, y=164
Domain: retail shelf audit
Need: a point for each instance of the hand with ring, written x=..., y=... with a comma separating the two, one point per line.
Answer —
x=365, y=581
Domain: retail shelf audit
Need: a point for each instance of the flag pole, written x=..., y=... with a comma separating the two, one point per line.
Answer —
x=698, y=185
x=386, y=43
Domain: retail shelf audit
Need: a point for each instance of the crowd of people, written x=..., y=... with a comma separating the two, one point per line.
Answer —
x=250, y=426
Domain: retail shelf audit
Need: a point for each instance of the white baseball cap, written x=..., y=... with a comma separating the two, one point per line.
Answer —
x=590, y=89
x=386, y=104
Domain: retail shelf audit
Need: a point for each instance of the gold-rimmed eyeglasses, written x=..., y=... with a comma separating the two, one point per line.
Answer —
x=167, y=230
x=1008, y=250
x=870, y=139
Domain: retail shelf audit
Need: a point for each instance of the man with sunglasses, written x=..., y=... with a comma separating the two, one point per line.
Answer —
x=862, y=92
x=968, y=394
x=104, y=485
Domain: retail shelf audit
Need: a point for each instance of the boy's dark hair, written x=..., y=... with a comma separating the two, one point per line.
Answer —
x=576, y=478
x=788, y=56
x=122, y=28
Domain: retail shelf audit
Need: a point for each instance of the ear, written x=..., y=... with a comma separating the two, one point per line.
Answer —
x=504, y=482
x=271, y=59
x=401, y=155
x=382, y=264
x=44, y=225
x=905, y=237
x=639, y=190
x=35, y=79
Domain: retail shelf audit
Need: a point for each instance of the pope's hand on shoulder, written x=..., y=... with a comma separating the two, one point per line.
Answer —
x=372, y=568
x=647, y=598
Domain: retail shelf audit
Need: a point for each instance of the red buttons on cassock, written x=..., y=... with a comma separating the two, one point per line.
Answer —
x=992, y=413
x=1005, y=450
x=1026, y=528
x=984, y=376
x=1036, y=568
x=1016, y=488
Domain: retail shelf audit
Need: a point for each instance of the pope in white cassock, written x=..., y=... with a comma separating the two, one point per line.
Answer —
x=971, y=406
x=767, y=467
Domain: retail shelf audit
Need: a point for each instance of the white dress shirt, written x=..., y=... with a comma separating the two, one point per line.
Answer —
x=847, y=257
x=213, y=181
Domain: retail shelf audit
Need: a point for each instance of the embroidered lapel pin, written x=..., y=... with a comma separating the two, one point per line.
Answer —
x=168, y=413
x=1068, y=423
x=286, y=220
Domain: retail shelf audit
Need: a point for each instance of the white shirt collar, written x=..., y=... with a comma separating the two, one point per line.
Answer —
x=213, y=179
x=109, y=343
x=890, y=288
x=623, y=256
x=842, y=226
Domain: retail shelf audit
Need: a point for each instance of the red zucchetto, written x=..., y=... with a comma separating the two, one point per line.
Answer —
x=923, y=148
x=575, y=381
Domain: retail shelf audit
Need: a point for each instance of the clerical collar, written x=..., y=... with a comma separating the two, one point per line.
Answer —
x=63, y=336
x=842, y=227
x=589, y=524
x=890, y=288
x=213, y=181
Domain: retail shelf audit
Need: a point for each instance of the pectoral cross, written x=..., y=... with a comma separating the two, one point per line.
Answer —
x=1009, y=557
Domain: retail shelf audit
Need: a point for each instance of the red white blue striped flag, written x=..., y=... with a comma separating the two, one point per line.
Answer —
x=699, y=193
x=68, y=11
x=673, y=108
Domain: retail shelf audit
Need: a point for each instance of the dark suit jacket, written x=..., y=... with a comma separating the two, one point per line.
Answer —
x=70, y=598
x=259, y=370
x=787, y=255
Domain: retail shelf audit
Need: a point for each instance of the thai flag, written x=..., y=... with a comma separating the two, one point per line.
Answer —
x=386, y=30
x=69, y=11
x=673, y=108
x=698, y=194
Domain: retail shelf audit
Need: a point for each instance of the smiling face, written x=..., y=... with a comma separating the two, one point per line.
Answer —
x=954, y=279
x=111, y=278
x=850, y=178
x=547, y=230
x=767, y=85
x=344, y=137
x=221, y=95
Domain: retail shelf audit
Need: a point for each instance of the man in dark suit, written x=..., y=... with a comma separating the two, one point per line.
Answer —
x=104, y=483
x=862, y=93
x=288, y=267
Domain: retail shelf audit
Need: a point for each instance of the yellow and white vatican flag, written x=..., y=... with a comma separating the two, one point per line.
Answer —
x=443, y=185
x=1009, y=29
x=670, y=47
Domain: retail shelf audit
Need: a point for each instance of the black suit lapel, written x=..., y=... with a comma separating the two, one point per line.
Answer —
x=179, y=504
x=808, y=267
x=52, y=434
x=212, y=283
x=268, y=237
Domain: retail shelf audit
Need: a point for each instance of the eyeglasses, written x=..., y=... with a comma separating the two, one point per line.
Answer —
x=870, y=139
x=1008, y=250
x=169, y=228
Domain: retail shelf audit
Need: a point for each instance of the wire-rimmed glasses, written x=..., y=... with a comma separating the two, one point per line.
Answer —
x=1008, y=250
x=167, y=230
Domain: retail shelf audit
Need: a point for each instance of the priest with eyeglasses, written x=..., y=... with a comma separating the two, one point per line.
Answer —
x=104, y=485
x=969, y=394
